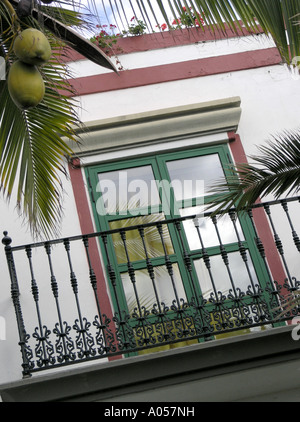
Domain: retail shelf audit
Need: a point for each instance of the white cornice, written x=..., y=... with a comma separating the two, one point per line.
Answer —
x=154, y=127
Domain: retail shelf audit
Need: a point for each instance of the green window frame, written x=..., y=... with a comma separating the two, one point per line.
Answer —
x=158, y=163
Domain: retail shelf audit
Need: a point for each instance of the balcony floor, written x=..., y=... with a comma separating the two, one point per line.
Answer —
x=261, y=366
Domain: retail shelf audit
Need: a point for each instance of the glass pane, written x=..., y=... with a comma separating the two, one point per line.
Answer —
x=134, y=243
x=221, y=280
x=193, y=177
x=128, y=189
x=145, y=289
x=208, y=230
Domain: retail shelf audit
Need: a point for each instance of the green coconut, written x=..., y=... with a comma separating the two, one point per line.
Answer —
x=31, y=46
x=25, y=85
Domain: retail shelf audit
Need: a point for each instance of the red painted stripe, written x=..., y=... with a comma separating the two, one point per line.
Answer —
x=87, y=227
x=175, y=71
x=166, y=39
x=261, y=221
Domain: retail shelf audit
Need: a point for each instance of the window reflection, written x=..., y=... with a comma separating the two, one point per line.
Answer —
x=196, y=175
x=220, y=276
x=134, y=241
x=207, y=229
x=128, y=189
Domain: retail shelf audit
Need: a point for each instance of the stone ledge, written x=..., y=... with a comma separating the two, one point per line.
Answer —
x=163, y=371
x=158, y=126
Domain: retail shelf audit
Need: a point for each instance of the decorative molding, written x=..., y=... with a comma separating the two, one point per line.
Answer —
x=154, y=127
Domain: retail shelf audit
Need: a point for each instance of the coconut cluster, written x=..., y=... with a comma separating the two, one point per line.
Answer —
x=25, y=82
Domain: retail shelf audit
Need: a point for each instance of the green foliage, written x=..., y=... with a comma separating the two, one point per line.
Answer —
x=106, y=38
x=277, y=18
x=137, y=27
x=34, y=142
x=275, y=170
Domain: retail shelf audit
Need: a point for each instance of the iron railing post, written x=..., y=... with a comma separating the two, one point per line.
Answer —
x=15, y=294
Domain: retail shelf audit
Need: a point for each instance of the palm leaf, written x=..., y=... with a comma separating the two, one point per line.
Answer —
x=32, y=152
x=64, y=32
x=277, y=18
x=276, y=171
x=33, y=142
x=290, y=302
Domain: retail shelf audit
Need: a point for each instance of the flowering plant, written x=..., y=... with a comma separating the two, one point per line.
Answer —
x=106, y=38
x=137, y=27
x=187, y=18
x=191, y=18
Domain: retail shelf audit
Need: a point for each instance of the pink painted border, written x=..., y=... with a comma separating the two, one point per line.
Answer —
x=262, y=224
x=166, y=39
x=86, y=224
x=175, y=71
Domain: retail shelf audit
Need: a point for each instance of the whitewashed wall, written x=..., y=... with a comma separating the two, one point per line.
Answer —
x=270, y=104
x=10, y=355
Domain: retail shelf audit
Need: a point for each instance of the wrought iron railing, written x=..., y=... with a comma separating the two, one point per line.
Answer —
x=67, y=323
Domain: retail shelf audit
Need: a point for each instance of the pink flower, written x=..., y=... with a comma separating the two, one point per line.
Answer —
x=132, y=19
x=176, y=22
x=199, y=21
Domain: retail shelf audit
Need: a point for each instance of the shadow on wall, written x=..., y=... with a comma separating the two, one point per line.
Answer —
x=2, y=328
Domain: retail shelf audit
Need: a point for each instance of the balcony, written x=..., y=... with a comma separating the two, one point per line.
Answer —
x=58, y=299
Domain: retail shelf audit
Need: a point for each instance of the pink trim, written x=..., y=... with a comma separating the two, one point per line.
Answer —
x=261, y=221
x=166, y=39
x=175, y=71
x=86, y=225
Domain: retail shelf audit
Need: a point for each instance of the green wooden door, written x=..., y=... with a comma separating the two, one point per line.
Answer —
x=163, y=187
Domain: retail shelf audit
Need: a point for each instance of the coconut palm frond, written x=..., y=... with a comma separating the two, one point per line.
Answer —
x=277, y=18
x=33, y=142
x=276, y=171
x=288, y=303
x=31, y=156
x=77, y=42
x=58, y=21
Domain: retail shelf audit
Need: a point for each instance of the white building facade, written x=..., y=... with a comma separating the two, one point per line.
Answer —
x=184, y=106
